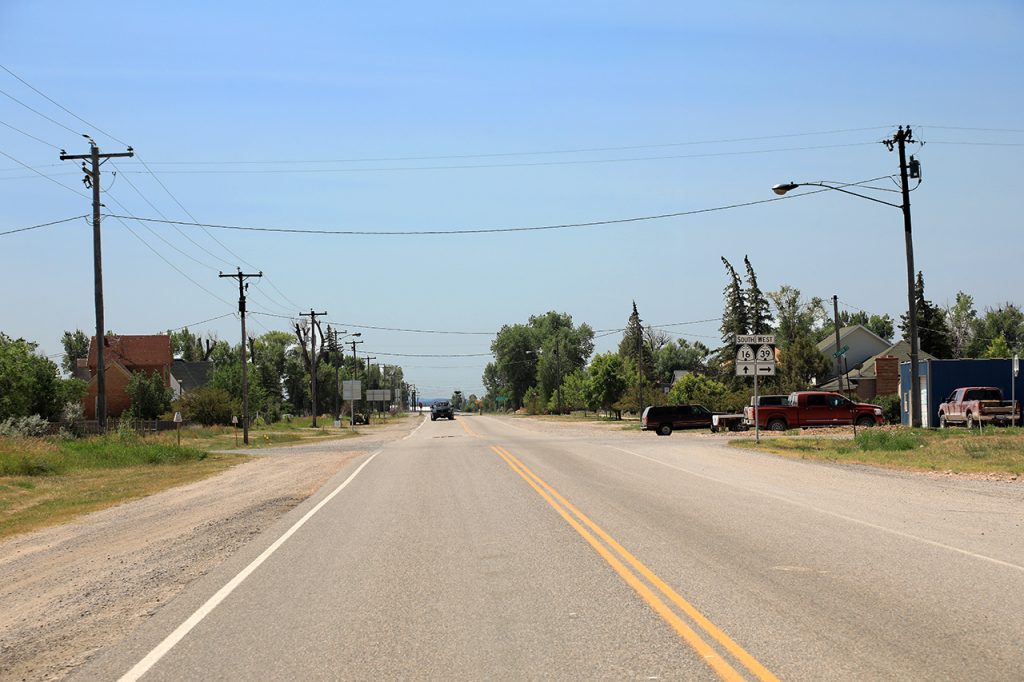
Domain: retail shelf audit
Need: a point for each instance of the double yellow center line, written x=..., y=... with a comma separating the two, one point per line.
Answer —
x=618, y=557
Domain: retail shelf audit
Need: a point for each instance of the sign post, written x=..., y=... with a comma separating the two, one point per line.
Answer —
x=234, y=423
x=755, y=356
x=177, y=426
x=1013, y=386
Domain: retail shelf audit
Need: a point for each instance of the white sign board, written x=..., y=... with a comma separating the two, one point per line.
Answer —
x=1016, y=364
x=748, y=369
x=377, y=394
x=756, y=339
x=351, y=389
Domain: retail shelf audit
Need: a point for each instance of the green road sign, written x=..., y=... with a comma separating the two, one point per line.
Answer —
x=841, y=352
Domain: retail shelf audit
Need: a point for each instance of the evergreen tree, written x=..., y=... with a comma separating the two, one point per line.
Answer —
x=759, y=317
x=734, y=316
x=1007, y=321
x=931, y=324
x=636, y=346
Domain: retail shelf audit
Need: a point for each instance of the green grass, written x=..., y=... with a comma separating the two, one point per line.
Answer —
x=990, y=450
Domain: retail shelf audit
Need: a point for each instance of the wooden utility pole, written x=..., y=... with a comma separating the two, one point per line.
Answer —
x=92, y=179
x=313, y=328
x=242, y=287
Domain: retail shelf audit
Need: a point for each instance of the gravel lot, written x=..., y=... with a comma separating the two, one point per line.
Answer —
x=72, y=590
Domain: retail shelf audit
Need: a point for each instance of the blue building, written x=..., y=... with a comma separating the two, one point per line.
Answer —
x=940, y=377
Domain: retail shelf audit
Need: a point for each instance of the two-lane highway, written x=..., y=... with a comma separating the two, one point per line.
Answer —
x=501, y=549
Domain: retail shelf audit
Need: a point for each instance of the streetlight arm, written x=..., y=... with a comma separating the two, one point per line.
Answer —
x=782, y=189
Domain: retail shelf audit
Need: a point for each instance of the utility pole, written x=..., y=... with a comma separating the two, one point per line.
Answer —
x=313, y=329
x=369, y=406
x=640, y=363
x=839, y=357
x=92, y=180
x=242, y=288
x=337, y=375
x=899, y=140
x=558, y=370
x=355, y=372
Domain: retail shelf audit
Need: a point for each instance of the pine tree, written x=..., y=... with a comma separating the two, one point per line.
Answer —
x=758, y=311
x=931, y=324
x=734, y=316
x=635, y=347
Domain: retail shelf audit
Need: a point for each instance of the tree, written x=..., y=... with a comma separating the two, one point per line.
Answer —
x=208, y=406
x=515, y=361
x=635, y=344
x=697, y=388
x=998, y=348
x=607, y=380
x=76, y=346
x=1007, y=320
x=150, y=396
x=758, y=312
x=734, y=316
x=29, y=383
x=680, y=355
x=960, y=319
x=799, y=362
x=575, y=392
x=931, y=324
x=793, y=318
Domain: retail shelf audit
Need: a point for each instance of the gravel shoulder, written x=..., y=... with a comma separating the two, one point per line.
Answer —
x=70, y=591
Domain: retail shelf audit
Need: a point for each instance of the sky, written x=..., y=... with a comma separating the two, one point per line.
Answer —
x=443, y=118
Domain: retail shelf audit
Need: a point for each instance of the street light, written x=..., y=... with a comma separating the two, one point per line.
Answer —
x=913, y=170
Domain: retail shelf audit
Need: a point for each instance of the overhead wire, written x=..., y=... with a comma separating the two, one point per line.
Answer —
x=113, y=137
x=29, y=135
x=44, y=175
x=36, y=227
x=562, y=226
x=527, y=164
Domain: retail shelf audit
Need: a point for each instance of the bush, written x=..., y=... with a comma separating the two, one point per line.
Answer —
x=33, y=426
x=890, y=404
x=208, y=406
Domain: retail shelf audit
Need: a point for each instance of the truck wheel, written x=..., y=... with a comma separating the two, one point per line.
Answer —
x=433, y=418
x=777, y=425
x=969, y=420
x=865, y=422
x=942, y=422
x=665, y=430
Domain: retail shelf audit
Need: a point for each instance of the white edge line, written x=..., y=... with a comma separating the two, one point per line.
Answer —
x=161, y=649
x=851, y=519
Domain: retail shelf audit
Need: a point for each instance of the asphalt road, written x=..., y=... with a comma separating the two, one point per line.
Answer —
x=491, y=548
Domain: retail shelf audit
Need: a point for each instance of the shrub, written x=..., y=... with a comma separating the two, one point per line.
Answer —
x=890, y=404
x=208, y=406
x=24, y=426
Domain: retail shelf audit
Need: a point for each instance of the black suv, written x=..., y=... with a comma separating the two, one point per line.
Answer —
x=442, y=408
x=665, y=418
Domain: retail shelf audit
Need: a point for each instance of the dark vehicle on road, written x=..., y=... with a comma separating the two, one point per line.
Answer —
x=442, y=408
x=665, y=418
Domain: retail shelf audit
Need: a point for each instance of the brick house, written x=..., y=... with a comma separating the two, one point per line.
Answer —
x=124, y=356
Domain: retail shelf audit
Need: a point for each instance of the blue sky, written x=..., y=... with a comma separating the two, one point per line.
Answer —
x=459, y=116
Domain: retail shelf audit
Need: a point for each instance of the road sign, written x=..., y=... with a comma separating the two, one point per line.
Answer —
x=757, y=339
x=378, y=394
x=745, y=354
x=352, y=389
x=748, y=369
x=1016, y=364
x=841, y=352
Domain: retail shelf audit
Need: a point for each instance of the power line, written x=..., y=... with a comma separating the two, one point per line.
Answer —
x=431, y=355
x=529, y=164
x=19, y=130
x=196, y=324
x=60, y=106
x=39, y=113
x=36, y=227
x=563, y=226
x=577, y=150
x=41, y=174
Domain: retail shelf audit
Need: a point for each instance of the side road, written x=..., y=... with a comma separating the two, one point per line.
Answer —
x=71, y=590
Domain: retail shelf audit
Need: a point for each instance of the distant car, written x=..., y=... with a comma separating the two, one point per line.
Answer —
x=665, y=418
x=442, y=408
x=360, y=418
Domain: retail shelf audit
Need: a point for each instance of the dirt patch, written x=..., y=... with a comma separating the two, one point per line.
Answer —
x=72, y=590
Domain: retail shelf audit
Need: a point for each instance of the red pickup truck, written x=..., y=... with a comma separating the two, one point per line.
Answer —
x=978, y=405
x=814, y=408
